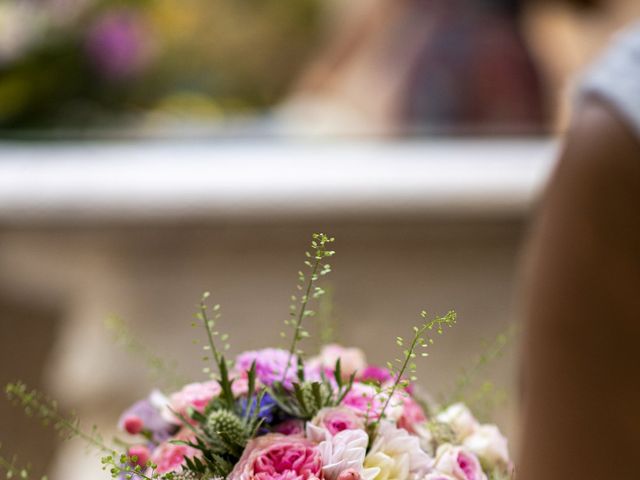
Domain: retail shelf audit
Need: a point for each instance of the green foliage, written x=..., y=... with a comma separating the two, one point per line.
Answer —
x=222, y=431
x=307, y=398
x=36, y=404
x=228, y=425
x=307, y=290
x=161, y=368
x=326, y=318
x=14, y=471
x=125, y=466
x=484, y=400
x=422, y=338
x=484, y=396
x=221, y=437
x=212, y=352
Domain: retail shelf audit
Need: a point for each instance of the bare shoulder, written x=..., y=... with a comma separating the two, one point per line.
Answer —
x=597, y=177
x=582, y=308
x=600, y=143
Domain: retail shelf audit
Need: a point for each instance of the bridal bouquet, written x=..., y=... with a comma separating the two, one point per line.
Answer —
x=276, y=414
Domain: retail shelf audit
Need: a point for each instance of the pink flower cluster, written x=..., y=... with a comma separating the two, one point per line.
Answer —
x=335, y=443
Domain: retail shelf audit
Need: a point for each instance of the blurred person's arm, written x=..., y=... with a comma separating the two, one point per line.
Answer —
x=582, y=350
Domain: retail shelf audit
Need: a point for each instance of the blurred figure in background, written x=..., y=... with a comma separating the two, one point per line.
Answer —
x=171, y=66
x=582, y=375
x=475, y=73
x=428, y=66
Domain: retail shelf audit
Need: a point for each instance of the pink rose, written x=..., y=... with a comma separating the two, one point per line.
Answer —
x=458, y=463
x=169, y=457
x=412, y=415
x=278, y=457
x=194, y=395
x=337, y=419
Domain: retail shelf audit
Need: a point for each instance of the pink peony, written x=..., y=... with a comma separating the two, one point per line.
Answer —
x=337, y=419
x=169, y=457
x=458, y=463
x=194, y=395
x=278, y=457
x=412, y=415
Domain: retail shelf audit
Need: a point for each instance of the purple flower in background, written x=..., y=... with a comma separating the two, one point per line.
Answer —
x=147, y=414
x=118, y=44
x=271, y=364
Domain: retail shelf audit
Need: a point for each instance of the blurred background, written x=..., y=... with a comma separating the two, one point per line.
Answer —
x=154, y=149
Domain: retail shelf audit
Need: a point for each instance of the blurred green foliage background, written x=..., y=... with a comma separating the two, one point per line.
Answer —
x=70, y=63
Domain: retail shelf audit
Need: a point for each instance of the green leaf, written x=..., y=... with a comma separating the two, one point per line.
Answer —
x=225, y=384
x=337, y=373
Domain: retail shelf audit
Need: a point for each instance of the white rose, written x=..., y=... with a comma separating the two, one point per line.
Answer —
x=425, y=436
x=489, y=445
x=397, y=455
x=460, y=419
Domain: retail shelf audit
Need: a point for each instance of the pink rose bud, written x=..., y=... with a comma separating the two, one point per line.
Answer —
x=349, y=474
x=133, y=424
x=141, y=453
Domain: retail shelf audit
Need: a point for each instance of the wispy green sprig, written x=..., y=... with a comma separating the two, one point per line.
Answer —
x=422, y=338
x=125, y=466
x=12, y=470
x=307, y=290
x=212, y=352
x=469, y=376
x=484, y=400
x=326, y=318
x=160, y=368
x=36, y=404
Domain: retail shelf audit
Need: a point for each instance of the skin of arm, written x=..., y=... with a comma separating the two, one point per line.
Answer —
x=581, y=370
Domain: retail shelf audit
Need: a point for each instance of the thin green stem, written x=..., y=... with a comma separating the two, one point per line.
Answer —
x=10, y=467
x=493, y=351
x=300, y=317
x=398, y=379
x=205, y=321
x=47, y=410
x=160, y=367
x=409, y=355
x=116, y=470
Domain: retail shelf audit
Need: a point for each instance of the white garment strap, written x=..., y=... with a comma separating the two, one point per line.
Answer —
x=615, y=77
